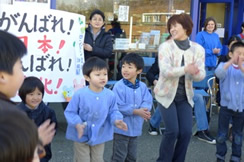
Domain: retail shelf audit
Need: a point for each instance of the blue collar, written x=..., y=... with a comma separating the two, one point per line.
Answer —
x=131, y=85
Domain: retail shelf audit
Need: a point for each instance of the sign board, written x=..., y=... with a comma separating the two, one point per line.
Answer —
x=121, y=44
x=54, y=40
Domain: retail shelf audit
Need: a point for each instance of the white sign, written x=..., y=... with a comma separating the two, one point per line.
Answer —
x=121, y=44
x=220, y=32
x=54, y=40
x=123, y=13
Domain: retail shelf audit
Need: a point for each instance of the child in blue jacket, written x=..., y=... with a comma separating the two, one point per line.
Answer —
x=92, y=114
x=134, y=102
x=231, y=79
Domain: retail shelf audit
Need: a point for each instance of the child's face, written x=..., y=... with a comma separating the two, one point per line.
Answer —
x=237, y=55
x=130, y=72
x=12, y=82
x=97, y=79
x=34, y=98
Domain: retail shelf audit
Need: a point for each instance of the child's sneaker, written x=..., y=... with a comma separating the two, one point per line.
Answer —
x=152, y=131
x=206, y=137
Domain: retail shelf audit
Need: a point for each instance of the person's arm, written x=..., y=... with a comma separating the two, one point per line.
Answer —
x=153, y=72
x=200, y=40
x=114, y=112
x=147, y=99
x=124, y=108
x=221, y=69
x=165, y=62
x=71, y=111
x=199, y=62
x=53, y=118
x=106, y=50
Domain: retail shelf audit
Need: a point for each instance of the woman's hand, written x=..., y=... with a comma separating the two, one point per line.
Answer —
x=192, y=69
x=216, y=50
x=87, y=47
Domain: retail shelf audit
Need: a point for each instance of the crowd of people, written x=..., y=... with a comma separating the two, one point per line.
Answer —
x=96, y=114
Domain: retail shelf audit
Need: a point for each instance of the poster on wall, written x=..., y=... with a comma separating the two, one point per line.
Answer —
x=54, y=40
x=33, y=3
x=123, y=13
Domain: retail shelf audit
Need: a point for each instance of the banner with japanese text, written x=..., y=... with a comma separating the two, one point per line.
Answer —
x=54, y=40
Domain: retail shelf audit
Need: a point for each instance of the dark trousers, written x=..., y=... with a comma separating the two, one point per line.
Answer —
x=225, y=115
x=178, y=130
x=124, y=148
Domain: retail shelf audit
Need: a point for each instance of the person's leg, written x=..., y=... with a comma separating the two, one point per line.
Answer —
x=156, y=118
x=120, y=148
x=237, y=129
x=132, y=150
x=184, y=112
x=167, y=146
x=97, y=153
x=202, y=120
x=200, y=112
x=81, y=152
x=222, y=136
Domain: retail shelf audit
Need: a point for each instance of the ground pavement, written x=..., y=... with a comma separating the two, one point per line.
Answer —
x=148, y=145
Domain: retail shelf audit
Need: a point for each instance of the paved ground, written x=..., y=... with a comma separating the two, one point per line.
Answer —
x=148, y=146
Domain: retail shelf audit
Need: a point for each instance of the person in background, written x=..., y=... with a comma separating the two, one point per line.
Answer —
x=92, y=114
x=199, y=110
x=181, y=62
x=241, y=35
x=116, y=30
x=134, y=102
x=31, y=93
x=209, y=40
x=97, y=42
x=11, y=78
x=231, y=78
x=18, y=137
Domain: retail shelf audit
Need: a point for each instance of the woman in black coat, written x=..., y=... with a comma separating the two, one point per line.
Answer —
x=97, y=41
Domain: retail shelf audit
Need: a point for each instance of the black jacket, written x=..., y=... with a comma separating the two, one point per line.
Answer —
x=5, y=103
x=153, y=72
x=102, y=46
x=39, y=115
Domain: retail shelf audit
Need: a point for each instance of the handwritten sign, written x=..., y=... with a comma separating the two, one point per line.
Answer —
x=123, y=13
x=54, y=40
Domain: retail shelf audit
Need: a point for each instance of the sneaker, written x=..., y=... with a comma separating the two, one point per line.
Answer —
x=152, y=131
x=220, y=160
x=206, y=137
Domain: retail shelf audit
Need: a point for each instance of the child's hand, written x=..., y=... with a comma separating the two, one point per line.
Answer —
x=80, y=129
x=240, y=63
x=121, y=125
x=144, y=113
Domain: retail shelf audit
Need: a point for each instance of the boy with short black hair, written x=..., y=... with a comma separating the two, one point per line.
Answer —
x=231, y=76
x=92, y=114
x=134, y=102
x=11, y=77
